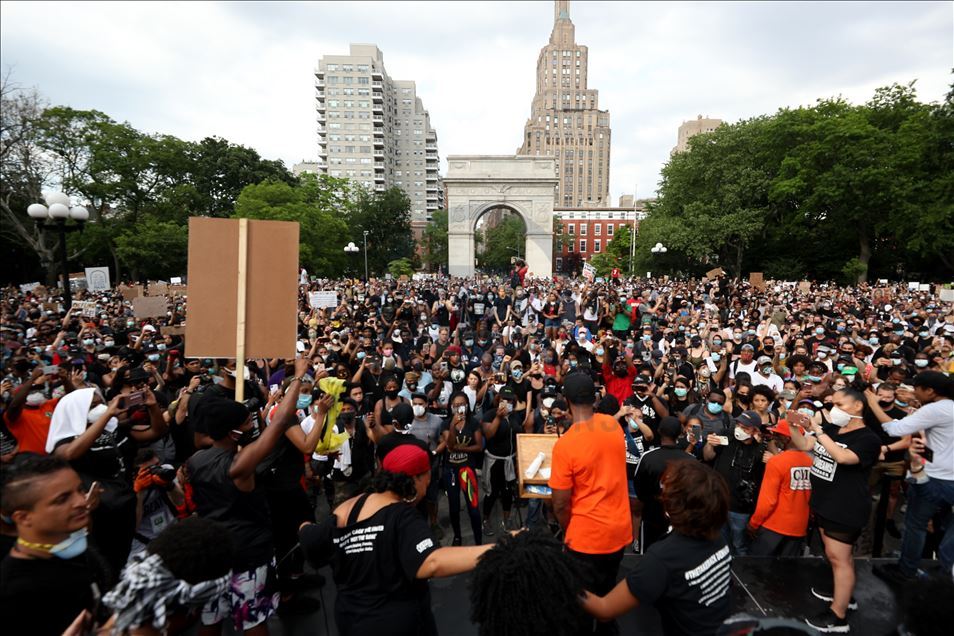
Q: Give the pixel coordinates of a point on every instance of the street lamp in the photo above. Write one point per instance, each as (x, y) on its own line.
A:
(53, 219)
(366, 256)
(351, 248)
(658, 248)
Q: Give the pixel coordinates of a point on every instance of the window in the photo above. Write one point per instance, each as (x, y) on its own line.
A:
(609, 229)
(596, 245)
(570, 229)
(582, 245)
(582, 229)
(597, 230)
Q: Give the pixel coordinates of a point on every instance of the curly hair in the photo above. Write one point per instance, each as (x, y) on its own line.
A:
(696, 499)
(195, 549)
(530, 565)
(398, 483)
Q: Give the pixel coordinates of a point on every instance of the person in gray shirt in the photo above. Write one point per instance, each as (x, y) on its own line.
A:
(427, 427)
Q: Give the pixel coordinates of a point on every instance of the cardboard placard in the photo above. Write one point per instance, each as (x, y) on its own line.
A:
(158, 289)
(51, 307)
(178, 290)
(150, 306)
(805, 287)
(757, 281)
(97, 278)
(271, 290)
(403, 279)
(528, 445)
(713, 273)
(130, 292)
(85, 308)
(178, 330)
(321, 299)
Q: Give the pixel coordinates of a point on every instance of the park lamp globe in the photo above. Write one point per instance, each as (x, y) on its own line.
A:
(59, 211)
(52, 198)
(38, 211)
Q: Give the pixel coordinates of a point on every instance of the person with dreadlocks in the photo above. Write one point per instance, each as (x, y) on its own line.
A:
(382, 551)
(528, 565)
(686, 575)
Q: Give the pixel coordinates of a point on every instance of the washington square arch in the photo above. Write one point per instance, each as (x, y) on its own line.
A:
(478, 183)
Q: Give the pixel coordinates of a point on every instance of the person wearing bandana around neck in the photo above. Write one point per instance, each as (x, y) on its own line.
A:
(51, 577)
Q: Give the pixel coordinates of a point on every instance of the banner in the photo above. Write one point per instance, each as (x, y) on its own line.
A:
(320, 299)
(97, 278)
(86, 308)
(589, 272)
(150, 306)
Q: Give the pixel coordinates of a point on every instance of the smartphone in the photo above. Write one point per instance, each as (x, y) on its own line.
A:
(273, 389)
(723, 440)
(51, 370)
(696, 431)
(133, 399)
(928, 454)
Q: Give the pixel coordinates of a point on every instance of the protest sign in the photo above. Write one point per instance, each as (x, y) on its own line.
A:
(913, 286)
(178, 330)
(713, 273)
(175, 280)
(97, 278)
(243, 284)
(130, 292)
(319, 299)
(158, 288)
(924, 287)
(150, 306)
(947, 295)
(805, 287)
(757, 281)
(178, 290)
(28, 287)
(589, 272)
(86, 308)
(78, 281)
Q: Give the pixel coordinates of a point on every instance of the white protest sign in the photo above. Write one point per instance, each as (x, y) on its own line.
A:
(97, 278)
(319, 299)
(589, 272)
(175, 280)
(87, 308)
(913, 286)
(947, 295)
(28, 287)
(924, 287)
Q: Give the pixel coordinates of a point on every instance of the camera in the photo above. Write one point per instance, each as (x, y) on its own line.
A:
(165, 472)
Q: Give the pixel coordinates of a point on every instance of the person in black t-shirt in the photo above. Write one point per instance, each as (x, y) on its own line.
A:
(463, 439)
(48, 578)
(842, 456)
(500, 428)
(687, 575)
(382, 552)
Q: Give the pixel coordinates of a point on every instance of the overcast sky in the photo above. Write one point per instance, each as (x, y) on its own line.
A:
(244, 71)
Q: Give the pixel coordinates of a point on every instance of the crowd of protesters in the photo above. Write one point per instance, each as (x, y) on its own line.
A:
(697, 420)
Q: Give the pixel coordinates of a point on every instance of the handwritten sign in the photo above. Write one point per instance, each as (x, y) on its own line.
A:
(589, 272)
(757, 281)
(86, 308)
(130, 292)
(150, 306)
(97, 278)
(713, 273)
(320, 299)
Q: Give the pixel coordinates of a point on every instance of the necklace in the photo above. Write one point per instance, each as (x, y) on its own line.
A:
(42, 547)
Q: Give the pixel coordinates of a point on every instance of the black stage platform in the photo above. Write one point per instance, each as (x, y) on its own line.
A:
(762, 587)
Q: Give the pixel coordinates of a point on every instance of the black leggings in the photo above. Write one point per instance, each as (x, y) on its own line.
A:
(499, 487)
(453, 486)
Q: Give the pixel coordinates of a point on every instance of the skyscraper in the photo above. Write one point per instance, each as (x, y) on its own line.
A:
(565, 119)
(692, 128)
(375, 130)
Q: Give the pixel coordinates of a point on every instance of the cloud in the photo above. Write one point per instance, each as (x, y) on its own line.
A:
(244, 70)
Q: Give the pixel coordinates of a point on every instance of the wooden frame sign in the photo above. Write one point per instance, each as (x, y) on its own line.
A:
(243, 290)
(529, 445)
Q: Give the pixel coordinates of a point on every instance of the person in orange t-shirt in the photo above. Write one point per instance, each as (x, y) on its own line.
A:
(780, 520)
(590, 492)
(29, 414)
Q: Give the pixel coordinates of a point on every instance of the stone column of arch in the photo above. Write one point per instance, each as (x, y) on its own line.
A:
(476, 183)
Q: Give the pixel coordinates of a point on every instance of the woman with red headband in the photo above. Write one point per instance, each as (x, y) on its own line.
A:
(382, 552)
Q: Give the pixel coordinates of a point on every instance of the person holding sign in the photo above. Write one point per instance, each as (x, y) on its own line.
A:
(842, 456)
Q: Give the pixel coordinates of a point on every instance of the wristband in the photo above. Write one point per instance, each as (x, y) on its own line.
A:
(300, 378)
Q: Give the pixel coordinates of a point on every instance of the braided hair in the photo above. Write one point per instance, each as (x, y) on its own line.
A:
(530, 565)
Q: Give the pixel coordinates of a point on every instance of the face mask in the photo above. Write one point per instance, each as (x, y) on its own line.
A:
(95, 413)
(153, 357)
(497, 387)
(360, 355)
(599, 351)
(346, 418)
(680, 392)
(391, 393)
(130, 323)
(647, 338)
(573, 364)
(895, 361)
(924, 334)
(840, 418)
(548, 402)
(304, 401)
(886, 404)
(716, 357)
(246, 437)
(161, 346)
(819, 331)
(714, 407)
(901, 404)
(35, 399)
(873, 341)
(920, 363)
(419, 410)
(741, 435)
(88, 342)
(412, 386)
(468, 343)
(766, 370)
(70, 547)
(815, 378)
(462, 409)
(517, 374)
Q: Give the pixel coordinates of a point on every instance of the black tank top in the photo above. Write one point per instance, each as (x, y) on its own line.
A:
(245, 514)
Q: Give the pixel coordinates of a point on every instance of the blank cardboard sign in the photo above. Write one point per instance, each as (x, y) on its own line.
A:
(150, 306)
(271, 289)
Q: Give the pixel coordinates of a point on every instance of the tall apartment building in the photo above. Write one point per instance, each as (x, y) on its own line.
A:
(565, 119)
(692, 128)
(375, 130)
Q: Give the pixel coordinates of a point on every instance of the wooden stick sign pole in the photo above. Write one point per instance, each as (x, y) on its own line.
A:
(240, 310)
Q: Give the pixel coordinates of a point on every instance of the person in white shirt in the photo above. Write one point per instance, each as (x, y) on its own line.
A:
(745, 363)
(765, 375)
(935, 420)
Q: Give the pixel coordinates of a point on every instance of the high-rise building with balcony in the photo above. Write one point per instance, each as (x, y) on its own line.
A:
(565, 119)
(375, 130)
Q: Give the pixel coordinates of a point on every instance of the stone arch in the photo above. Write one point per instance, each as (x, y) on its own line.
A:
(476, 184)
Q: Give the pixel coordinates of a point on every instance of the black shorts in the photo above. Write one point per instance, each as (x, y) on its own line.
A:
(838, 531)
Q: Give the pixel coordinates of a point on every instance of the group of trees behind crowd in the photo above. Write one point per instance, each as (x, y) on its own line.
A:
(832, 191)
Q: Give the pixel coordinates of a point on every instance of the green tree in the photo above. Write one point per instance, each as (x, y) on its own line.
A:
(401, 267)
(136, 248)
(435, 241)
(386, 217)
(503, 242)
(323, 232)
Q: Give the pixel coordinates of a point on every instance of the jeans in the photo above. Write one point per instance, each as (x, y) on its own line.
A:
(734, 533)
(924, 501)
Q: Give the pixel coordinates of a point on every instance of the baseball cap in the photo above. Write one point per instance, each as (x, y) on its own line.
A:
(453, 349)
(749, 419)
(781, 428)
(748, 347)
(400, 416)
(764, 360)
(578, 388)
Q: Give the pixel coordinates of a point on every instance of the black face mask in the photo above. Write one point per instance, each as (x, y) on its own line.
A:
(391, 393)
(247, 437)
(346, 418)
(886, 405)
(620, 372)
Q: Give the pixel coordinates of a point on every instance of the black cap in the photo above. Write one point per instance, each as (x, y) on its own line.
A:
(220, 415)
(549, 390)
(399, 416)
(749, 419)
(506, 393)
(640, 380)
(578, 388)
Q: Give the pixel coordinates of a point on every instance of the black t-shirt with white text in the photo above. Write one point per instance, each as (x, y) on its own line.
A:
(840, 491)
(688, 580)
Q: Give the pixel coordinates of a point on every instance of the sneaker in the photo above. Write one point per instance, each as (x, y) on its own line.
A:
(891, 573)
(456, 541)
(828, 623)
(829, 596)
(487, 529)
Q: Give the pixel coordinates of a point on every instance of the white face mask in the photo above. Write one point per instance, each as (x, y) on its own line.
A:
(548, 402)
(741, 435)
(35, 399)
(462, 409)
(95, 413)
(841, 418)
(419, 410)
